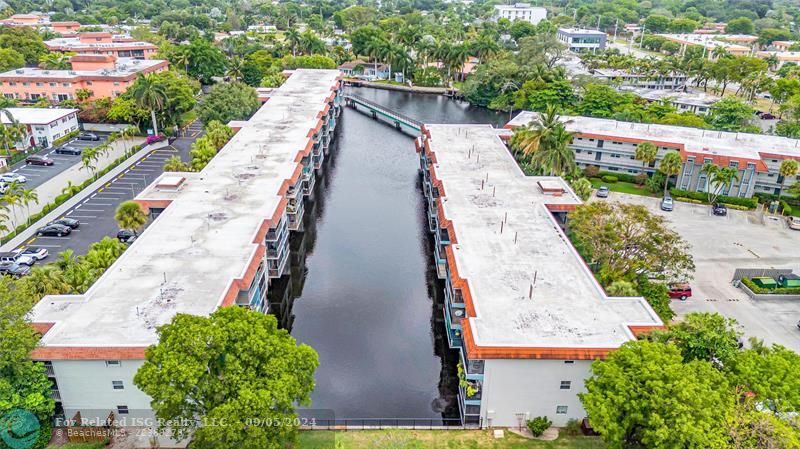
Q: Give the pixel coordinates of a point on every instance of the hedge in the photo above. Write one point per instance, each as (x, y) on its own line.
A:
(610, 179)
(766, 198)
(624, 177)
(786, 208)
(770, 291)
(749, 203)
(68, 136)
(60, 199)
(687, 200)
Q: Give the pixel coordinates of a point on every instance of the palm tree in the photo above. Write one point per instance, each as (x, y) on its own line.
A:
(554, 154)
(149, 95)
(457, 57)
(47, 280)
(12, 197)
(772, 61)
(174, 163)
(11, 132)
(27, 197)
(787, 169)
(292, 37)
(583, 188)
(670, 165)
(130, 215)
(89, 158)
(374, 49)
(646, 152)
(718, 178)
(527, 139)
(235, 66)
(70, 189)
(66, 259)
(126, 134)
(182, 57)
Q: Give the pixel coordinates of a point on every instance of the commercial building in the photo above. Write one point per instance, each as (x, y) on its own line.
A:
(685, 101)
(521, 306)
(611, 145)
(520, 11)
(625, 78)
(102, 43)
(218, 239)
(101, 75)
(43, 125)
(581, 41)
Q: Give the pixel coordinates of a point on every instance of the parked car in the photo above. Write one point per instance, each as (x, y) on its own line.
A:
(667, 204)
(11, 177)
(681, 291)
(66, 149)
(37, 159)
(719, 209)
(17, 258)
(36, 252)
(68, 222)
(54, 229)
(88, 136)
(3, 187)
(126, 236)
(602, 192)
(767, 116)
(794, 223)
(14, 269)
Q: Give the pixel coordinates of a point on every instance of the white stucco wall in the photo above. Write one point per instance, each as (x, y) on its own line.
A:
(54, 130)
(531, 387)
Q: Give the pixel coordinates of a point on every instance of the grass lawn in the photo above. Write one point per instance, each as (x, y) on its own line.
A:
(77, 446)
(435, 439)
(624, 187)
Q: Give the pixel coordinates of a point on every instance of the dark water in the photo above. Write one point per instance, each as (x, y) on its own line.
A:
(362, 289)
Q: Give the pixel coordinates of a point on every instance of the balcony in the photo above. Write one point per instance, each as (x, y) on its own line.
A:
(453, 335)
(292, 191)
(455, 316)
(458, 297)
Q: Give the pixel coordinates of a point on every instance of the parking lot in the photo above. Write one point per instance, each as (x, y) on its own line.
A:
(96, 212)
(37, 175)
(719, 246)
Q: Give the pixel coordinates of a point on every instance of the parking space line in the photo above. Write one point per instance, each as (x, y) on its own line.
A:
(93, 210)
(54, 238)
(83, 216)
(48, 246)
(101, 204)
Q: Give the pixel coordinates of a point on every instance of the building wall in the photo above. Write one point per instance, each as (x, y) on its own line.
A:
(611, 155)
(44, 135)
(532, 15)
(528, 388)
(582, 42)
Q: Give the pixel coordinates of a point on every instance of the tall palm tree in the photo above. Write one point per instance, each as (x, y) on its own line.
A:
(670, 165)
(646, 152)
(457, 57)
(27, 197)
(718, 179)
(374, 49)
(787, 169)
(554, 154)
(47, 280)
(10, 132)
(149, 95)
(235, 66)
(527, 139)
(130, 215)
(182, 57)
(66, 260)
(13, 198)
(292, 37)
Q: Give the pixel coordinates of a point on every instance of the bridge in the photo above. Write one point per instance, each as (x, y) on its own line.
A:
(399, 121)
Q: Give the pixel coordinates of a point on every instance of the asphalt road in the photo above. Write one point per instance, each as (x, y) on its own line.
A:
(37, 175)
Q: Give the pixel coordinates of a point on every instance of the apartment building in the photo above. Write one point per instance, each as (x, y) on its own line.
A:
(43, 125)
(102, 43)
(519, 11)
(101, 75)
(582, 41)
(626, 78)
(611, 145)
(219, 237)
(521, 306)
(735, 44)
(782, 56)
(685, 101)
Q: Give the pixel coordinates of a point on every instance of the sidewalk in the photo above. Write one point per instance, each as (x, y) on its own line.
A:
(58, 183)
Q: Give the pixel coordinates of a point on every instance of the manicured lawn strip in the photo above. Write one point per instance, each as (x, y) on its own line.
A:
(623, 187)
(436, 439)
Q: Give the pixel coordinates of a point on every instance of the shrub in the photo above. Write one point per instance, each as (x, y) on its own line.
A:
(766, 291)
(766, 198)
(624, 177)
(573, 427)
(688, 200)
(786, 208)
(538, 425)
(65, 138)
(591, 171)
(610, 179)
(748, 203)
(641, 178)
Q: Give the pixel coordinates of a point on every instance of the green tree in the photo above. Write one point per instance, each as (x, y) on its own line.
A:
(749, 427)
(787, 169)
(149, 95)
(741, 25)
(229, 101)
(710, 337)
(203, 150)
(622, 288)
(130, 215)
(10, 59)
(218, 134)
(207, 368)
(772, 374)
(656, 23)
(583, 188)
(646, 152)
(55, 61)
(174, 163)
(11, 132)
(24, 40)
(719, 179)
(670, 165)
(645, 396)
(205, 61)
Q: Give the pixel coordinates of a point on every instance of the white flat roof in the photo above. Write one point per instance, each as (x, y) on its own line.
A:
(37, 116)
(679, 96)
(124, 67)
(187, 258)
(581, 31)
(75, 42)
(713, 143)
(567, 308)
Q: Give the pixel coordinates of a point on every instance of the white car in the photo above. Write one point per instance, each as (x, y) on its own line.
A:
(9, 177)
(35, 252)
(794, 223)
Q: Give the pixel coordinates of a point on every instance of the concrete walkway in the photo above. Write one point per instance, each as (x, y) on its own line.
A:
(67, 205)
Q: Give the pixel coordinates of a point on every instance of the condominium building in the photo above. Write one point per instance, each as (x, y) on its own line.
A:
(582, 41)
(611, 145)
(101, 75)
(782, 56)
(734, 44)
(685, 101)
(520, 11)
(43, 125)
(219, 237)
(102, 43)
(521, 306)
(673, 81)
(782, 45)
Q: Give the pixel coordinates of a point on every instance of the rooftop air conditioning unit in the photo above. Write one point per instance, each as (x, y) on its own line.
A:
(20, 71)
(72, 72)
(46, 72)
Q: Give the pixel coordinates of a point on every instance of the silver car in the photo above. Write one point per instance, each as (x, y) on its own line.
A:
(602, 192)
(667, 204)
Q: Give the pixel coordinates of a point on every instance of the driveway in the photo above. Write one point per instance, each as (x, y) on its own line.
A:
(722, 244)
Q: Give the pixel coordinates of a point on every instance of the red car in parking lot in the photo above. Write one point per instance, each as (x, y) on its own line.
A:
(38, 160)
(680, 291)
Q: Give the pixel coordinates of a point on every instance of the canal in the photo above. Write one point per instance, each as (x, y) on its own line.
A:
(362, 290)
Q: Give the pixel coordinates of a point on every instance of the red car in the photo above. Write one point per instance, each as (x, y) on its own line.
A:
(39, 160)
(680, 291)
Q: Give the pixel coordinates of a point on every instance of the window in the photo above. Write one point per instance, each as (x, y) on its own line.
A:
(52, 84)
(12, 83)
(123, 410)
(113, 363)
(560, 410)
(118, 385)
(566, 384)
(40, 84)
